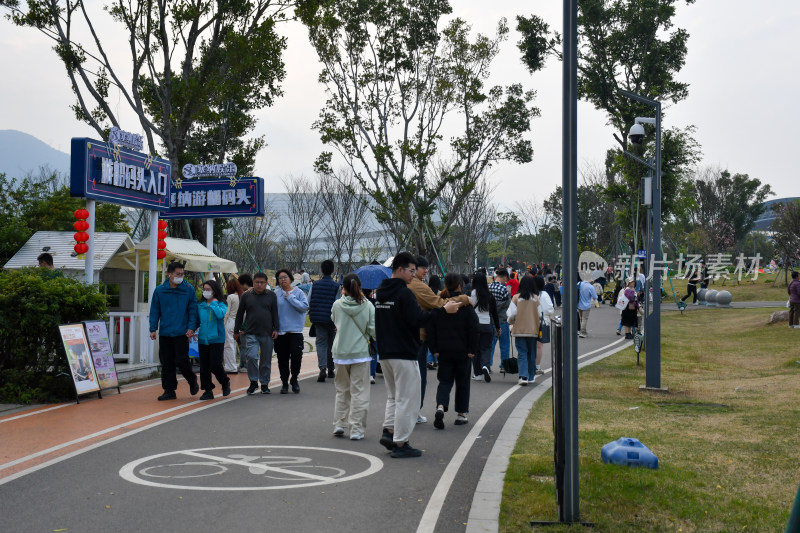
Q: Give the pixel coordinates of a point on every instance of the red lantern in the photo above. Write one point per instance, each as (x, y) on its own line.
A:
(162, 224)
(161, 245)
(161, 254)
(81, 237)
(162, 235)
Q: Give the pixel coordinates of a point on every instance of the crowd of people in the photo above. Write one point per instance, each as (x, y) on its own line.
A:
(409, 325)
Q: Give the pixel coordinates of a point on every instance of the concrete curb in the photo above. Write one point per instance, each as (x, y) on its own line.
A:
(484, 514)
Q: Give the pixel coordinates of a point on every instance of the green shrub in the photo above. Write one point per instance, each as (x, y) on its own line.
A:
(33, 366)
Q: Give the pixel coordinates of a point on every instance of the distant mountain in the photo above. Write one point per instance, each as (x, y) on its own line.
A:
(21, 154)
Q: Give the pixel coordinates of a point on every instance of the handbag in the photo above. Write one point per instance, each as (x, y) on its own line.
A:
(312, 331)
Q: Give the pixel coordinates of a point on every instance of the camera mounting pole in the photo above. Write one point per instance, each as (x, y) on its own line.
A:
(652, 321)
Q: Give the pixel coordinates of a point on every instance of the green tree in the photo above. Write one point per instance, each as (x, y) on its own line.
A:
(736, 201)
(505, 227)
(627, 45)
(39, 203)
(786, 234)
(393, 80)
(199, 70)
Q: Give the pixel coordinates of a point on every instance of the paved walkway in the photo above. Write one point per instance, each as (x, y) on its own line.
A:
(129, 463)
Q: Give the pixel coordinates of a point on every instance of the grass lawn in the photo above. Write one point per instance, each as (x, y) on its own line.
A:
(726, 434)
(760, 291)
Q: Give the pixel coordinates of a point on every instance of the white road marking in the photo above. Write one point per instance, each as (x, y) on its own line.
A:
(36, 412)
(431, 515)
(128, 472)
(258, 466)
(118, 437)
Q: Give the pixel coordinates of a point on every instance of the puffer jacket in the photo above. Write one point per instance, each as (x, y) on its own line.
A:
(212, 322)
(355, 323)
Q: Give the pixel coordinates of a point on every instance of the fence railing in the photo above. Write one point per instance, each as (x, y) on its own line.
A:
(129, 334)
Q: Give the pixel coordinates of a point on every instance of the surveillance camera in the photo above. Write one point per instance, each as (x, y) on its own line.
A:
(636, 135)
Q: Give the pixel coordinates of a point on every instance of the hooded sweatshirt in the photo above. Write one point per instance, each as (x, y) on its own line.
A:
(398, 318)
(355, 323)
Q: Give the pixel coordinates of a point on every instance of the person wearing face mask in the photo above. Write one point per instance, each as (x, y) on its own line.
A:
(211, 340)
(173, 313)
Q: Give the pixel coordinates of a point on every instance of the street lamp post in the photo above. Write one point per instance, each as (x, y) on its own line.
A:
(652, 320)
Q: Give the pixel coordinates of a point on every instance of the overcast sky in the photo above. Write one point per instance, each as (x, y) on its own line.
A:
(743, 68)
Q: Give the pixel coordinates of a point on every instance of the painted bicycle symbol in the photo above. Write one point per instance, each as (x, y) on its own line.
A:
(250, 468)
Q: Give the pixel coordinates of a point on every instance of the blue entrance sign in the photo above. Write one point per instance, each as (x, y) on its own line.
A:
(217, 198)
(117, 175)
(642, 254)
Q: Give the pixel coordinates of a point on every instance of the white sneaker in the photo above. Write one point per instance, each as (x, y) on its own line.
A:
(338, 431)
(478, 377)
(522, 382)
(372, 381)
(421, 419)
(582, 335)
(356, 436)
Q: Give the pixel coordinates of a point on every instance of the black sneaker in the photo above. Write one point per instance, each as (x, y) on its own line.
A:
(401, 452)
(168, 395)
(207, 395)
(331, 374)
(226, 389)
(486, 377)
(194, 388)
(322, 374)
(461, 420)
(295, 386)
(387, 440)
(252, 388)
(264, 389)
(285, 388)
(438, 419)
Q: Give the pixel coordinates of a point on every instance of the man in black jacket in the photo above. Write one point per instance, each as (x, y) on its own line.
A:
(398, 319)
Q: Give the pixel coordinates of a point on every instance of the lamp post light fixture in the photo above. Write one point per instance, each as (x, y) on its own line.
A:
(652, 318)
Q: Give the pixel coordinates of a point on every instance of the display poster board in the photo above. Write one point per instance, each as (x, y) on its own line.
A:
(102, 355)
(79, 358)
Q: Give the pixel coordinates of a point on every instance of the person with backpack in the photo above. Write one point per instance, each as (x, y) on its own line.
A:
(354, 318)
(629, 315)
(454, 341)
(211, 340)
(523, 315)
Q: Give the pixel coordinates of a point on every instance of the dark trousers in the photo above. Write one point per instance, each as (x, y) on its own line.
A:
(794, 314)
(289, 347)
(174, 353)
(481, 358)
(422, 359)
(326, 333)
(212, 362)
(691, 290)
(454, 368)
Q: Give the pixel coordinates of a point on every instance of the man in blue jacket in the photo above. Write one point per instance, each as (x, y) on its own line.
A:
(323, 293)
(173, 312)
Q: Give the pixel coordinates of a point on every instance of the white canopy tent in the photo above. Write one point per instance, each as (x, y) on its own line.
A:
(197, 258)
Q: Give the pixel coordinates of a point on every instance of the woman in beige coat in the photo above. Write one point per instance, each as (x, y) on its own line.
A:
(523, 315)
